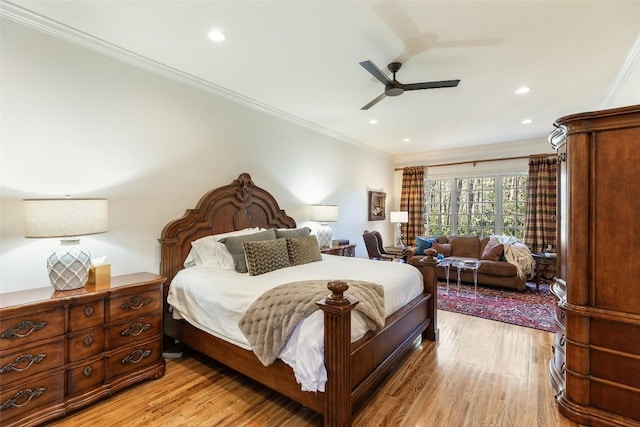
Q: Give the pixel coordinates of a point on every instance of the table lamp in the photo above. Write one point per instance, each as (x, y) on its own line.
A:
(324, 214)
(399, 218)
(67, 219)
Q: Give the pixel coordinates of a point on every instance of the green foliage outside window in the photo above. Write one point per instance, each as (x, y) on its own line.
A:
(476, 206)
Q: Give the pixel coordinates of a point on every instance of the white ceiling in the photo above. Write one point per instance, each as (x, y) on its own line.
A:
(301, 59)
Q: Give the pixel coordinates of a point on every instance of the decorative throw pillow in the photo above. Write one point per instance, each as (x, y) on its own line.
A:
(207, 250)
(235, 246)
(492, 252)
(303, 250)
(423, 243)
(265, 255)
(442, 248)
(292, 232)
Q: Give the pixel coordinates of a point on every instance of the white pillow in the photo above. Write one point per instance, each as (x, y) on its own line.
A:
(210, 252)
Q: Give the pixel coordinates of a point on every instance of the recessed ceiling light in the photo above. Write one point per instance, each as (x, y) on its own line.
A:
(526, 121)
(522, 90)
(406, 140)
(216, 35)
(373, 122)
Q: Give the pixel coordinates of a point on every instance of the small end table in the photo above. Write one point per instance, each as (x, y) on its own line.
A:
(543, 261)
(468, 265)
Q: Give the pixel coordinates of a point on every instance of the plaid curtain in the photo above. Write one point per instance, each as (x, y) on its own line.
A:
(412, 201)
(540, 222)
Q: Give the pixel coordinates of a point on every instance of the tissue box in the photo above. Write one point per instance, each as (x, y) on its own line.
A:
(100, 275)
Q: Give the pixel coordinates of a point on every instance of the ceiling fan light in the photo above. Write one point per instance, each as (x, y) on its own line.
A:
(522, 90)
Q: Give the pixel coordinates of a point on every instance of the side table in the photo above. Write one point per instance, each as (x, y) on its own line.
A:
(340, 250)
(543, 261)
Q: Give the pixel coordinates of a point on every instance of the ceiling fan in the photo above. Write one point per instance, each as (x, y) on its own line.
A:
(394, 87)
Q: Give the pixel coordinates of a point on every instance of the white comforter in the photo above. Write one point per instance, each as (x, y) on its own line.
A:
(214, 300)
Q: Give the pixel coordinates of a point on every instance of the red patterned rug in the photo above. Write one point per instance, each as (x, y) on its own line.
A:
(529, 308)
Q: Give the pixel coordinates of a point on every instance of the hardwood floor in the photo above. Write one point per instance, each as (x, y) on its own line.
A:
(482, 373)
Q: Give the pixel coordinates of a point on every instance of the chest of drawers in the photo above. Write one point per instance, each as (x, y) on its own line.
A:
(60, 351)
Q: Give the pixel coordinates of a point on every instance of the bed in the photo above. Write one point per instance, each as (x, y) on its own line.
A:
(353, 369)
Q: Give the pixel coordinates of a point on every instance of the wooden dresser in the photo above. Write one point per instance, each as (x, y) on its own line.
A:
(596, 362)
(60, 351)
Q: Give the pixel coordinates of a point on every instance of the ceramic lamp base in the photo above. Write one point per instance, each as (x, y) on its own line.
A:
(324, 236)
(69, 265)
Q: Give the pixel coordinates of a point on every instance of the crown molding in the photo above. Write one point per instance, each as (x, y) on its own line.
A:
(630, 65)
(41, 23)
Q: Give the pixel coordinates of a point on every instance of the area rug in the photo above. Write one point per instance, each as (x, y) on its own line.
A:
(529, 308)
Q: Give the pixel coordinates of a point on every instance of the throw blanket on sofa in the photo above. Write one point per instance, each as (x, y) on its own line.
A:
(516, 253)
(270, 320)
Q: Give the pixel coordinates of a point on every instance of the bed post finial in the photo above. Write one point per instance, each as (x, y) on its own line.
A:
(337, 288)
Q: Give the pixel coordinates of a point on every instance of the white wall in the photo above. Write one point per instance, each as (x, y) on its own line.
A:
(78, 122)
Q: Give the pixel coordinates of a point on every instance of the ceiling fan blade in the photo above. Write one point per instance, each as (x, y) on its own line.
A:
(431, 85)
(375, 72)
(374, 102)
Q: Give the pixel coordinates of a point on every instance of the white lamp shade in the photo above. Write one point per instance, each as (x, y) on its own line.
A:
(399, 217)
(324, 213)
(65, 217)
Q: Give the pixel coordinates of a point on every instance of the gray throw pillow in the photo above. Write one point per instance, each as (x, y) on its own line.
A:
(303, 250)
(266, 255)
(236, 249)
(293, 232)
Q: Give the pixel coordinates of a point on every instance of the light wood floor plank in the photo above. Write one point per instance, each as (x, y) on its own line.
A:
(482, 373)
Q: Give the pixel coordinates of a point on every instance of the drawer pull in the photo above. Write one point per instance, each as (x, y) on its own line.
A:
(29, 359)
(136, 303)
(88, 310)
(88, 340)
(21, 395)
(87, 371)
(136, 356)
(135, 329)
(27, 324)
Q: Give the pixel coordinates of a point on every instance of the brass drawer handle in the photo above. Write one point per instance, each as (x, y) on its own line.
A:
(136, 303)
(136, 356)
(88, 310)
(135, 329)
(22, 394)
(87, 371)
(27, 324)
(88, 340)
(29, 359)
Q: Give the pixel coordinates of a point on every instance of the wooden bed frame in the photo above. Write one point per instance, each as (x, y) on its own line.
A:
(353, 369)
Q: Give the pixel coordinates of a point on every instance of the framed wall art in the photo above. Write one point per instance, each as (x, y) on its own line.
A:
(376, 205)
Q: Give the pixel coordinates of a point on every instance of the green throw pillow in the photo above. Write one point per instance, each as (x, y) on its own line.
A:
(303, 250)
(265, 256)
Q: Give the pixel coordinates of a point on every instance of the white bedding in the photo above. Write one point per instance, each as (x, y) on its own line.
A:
(213, 300)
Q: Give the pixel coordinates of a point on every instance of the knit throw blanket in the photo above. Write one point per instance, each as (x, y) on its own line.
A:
(270, 320)
(516, 253)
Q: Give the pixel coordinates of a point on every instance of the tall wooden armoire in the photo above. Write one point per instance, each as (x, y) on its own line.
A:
(596, 356)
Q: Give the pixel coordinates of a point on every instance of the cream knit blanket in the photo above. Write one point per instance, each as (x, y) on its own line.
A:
(270, 320)
(516, 253)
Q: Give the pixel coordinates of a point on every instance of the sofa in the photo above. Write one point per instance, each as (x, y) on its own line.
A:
(494, 270)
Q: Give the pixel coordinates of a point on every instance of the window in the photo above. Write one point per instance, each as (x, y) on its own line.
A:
(476, 206)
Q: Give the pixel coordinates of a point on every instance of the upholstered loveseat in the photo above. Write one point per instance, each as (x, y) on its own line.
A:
(493, 270)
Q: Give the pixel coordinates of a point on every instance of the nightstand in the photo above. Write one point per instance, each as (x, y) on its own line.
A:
(60, 351)
(340, 250)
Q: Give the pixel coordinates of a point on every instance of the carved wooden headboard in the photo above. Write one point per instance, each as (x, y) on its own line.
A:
(238, 205)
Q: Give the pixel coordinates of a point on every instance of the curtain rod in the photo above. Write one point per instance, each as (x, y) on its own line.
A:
(474, 162)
